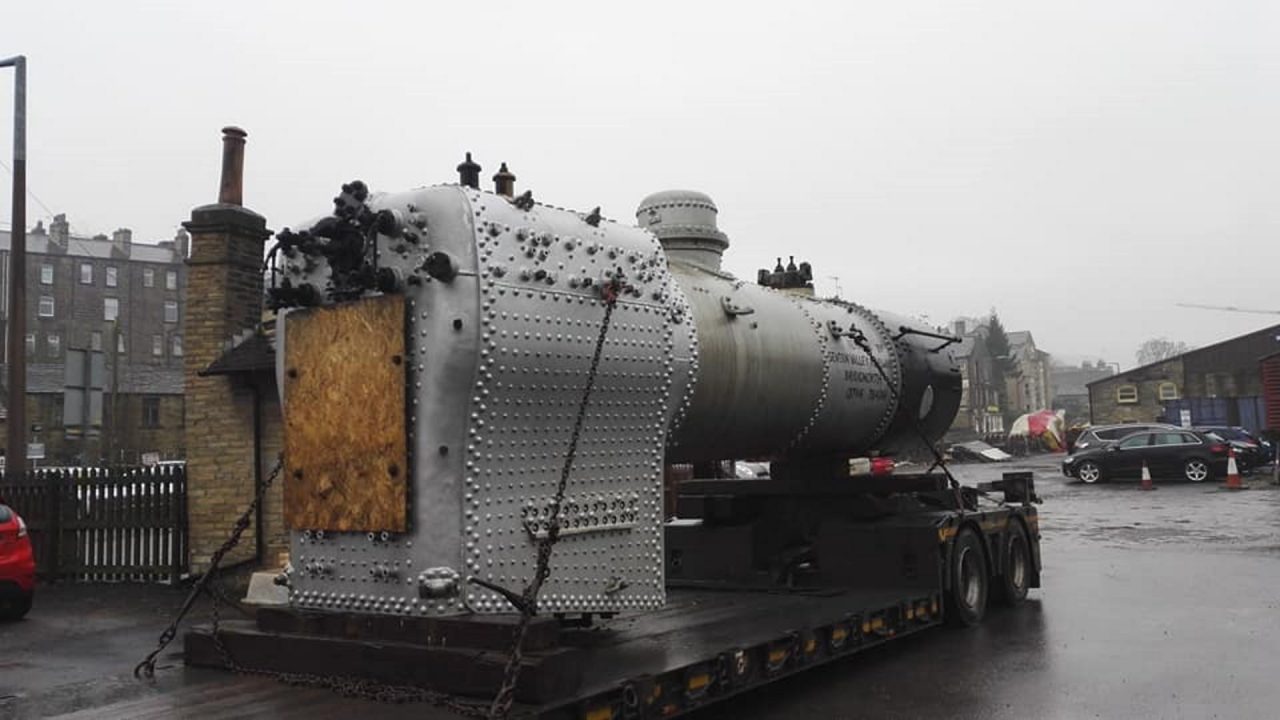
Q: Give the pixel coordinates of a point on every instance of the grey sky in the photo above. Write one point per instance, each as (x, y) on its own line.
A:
(1080, 166)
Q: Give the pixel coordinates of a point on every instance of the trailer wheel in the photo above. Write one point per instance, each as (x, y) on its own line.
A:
(1012, 586)
(967, 597)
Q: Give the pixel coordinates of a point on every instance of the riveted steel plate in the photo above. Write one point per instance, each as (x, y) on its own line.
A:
(542, 314)
(497, 362)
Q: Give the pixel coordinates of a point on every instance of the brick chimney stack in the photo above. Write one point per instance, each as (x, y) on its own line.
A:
(59, 233)
(182, 243)
(121, 243)
(224, 291)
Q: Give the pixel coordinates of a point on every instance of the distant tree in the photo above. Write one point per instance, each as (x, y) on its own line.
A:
(998, 344)
(1003, 365)
(1161, 348)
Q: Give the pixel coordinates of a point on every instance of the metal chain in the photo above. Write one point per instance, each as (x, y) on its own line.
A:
(860, 339)
(345, 686)
(147, 668)
(500, 708)
(528, 607)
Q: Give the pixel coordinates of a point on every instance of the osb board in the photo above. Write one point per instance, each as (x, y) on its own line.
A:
(344, 426)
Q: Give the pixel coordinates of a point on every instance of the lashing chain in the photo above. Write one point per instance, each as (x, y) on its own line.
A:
(526, 602)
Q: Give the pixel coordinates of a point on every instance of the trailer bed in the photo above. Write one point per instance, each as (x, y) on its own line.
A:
(704, 646)
(762, 636)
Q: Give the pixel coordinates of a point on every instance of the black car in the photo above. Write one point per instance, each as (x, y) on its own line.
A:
(1251, 452)
(1196, 456)
(1099, 435)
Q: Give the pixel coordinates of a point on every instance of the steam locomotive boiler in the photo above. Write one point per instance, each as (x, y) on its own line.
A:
(435, 345)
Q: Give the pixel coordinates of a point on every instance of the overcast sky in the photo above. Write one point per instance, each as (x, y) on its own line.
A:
(1080, 166)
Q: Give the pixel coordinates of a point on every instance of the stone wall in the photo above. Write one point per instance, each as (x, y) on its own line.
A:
(1105, 407)
(224, 285)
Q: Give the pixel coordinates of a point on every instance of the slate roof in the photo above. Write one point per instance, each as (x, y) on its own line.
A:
(38, 244)
(133, 379)
(1274, 330)
(257, 353)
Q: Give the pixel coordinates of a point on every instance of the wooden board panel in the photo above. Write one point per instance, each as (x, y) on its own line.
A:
(344, 426)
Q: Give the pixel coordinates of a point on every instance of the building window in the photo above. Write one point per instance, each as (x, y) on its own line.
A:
(170, 311)
(151, 412)
(1168, 391)
(95, 341)
(110, 309)
(177, 346)
(113, 276)
(31, 344)
(171, 280)
(46, 274)
(148, 277)
(157, 345)
(54, 344)
(120, 343)
(1127, 394)
(86, 273)
(46, 306)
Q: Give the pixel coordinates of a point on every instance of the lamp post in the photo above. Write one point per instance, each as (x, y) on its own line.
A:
(16, 446)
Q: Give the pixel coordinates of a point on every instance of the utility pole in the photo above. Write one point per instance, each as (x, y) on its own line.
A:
(109, 427)
(16, 445)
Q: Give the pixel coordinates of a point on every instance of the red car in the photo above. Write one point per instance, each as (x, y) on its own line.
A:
(17, 566)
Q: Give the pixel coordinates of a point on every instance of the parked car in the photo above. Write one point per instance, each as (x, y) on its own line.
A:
(17, 566)
(1196, 456)
(1251, 451)
(1098, 435)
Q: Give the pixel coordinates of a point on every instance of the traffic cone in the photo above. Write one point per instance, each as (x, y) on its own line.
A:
(1233, 472)
(1146, 477)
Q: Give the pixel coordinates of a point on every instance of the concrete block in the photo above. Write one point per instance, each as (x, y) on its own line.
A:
(263, 590)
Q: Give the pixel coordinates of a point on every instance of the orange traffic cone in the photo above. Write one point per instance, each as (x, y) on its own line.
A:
(1233, 472)
(1146, 477)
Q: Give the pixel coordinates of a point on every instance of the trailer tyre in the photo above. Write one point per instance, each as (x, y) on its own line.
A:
(1011, 587)
(970, 580)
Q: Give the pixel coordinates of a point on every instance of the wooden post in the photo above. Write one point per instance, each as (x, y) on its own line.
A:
(55, 483)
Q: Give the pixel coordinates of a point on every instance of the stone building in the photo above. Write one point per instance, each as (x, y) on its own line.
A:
(1069, 391)
(117, 299)
(1028, 389)
(1136, 395)
(1220, 384)
(979, 414)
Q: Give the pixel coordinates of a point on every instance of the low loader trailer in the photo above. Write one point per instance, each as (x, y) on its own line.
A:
(482, 397)
(746, 606)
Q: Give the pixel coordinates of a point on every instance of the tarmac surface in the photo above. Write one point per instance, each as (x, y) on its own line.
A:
(1160, 604)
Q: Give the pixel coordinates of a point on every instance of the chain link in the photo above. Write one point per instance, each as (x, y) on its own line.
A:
(860, 339)
(528, 607)
(500, 708)
(345, 686)
(147, 668)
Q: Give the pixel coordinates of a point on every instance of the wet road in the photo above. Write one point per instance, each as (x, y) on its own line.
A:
(1160, 604)
(1163, 604)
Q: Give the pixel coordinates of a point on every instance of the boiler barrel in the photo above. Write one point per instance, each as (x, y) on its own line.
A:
(780, 374)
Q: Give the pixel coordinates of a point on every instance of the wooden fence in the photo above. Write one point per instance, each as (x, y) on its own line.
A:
(94, 524)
